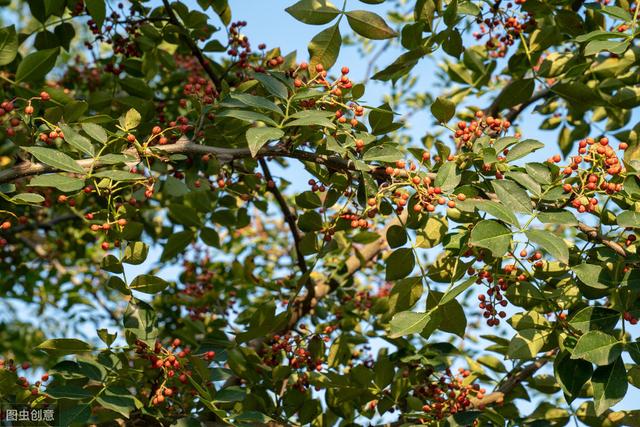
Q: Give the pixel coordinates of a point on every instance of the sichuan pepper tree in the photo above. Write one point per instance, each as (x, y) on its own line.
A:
(440, 280)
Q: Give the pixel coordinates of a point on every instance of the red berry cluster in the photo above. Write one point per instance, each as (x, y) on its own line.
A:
(34, 389)
(9, 117)
(447, 395)
(116, 24)
(171, 363)
(493, 302)
(318, 78)
(503, 28)
(426, 195)
(239, 47)
(630, 318)
(201, 89)
(601, 175)
(295, 350)
(467, 132)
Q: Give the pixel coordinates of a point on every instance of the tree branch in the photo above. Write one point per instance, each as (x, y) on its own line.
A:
(185, 146)
(302, 305)
(593, 234)
(510, 383)
(44, 225)
(225, 155)
(288, 215)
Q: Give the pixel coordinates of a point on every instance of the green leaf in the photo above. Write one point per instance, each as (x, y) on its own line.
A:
(313, 12)
(504, 142)
(27, 198)
(381, 120)
(148, 284)
(559, 217)
(382, 153)
(184, 214)
(595, 318)
(527, 181)
(135, 253)
(553, 244)
(447, 177)
(491, 235)
(247, 116)
(407, 322)
(137, 87)
(122, 402)
(512, 195)
(308, 200)
(130, 120)
(404, 294)
(396, 236)
(175, 187)
(73, 111)
(274, 86)
(117, 284)
(447, 317)
(616, 12)
(451, 294)
(434, 231)
(55, 159)
(523, 148)
(312, 118)
(528, 320)
(256, 102)
(64, 183)
(73, 413)
(609, 385)
(98, 10)
(69, 392)
(369, 25)
(210, 237)
(118, 175)
(139, 321)
(96, 132)
(63, 346)
(401, 66)
(492, 363)
(105, 336)
(628, 219)
(443, 109)
(257, 137)
(112, 264)
(594, 47)
(310, 221)
(516, 92)
(571, 374)
(324, 47)
(77, 141)
(591, 275)
(528, 343)
(399, 264)
(598, 348)
(497, 210)
(450, 14)
(36, 65)
(176, 244)
(8, 45)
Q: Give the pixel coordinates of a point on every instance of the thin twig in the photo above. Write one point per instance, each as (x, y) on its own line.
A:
(192, 45)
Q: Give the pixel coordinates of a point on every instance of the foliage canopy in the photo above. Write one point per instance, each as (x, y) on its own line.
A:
(436, 280)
